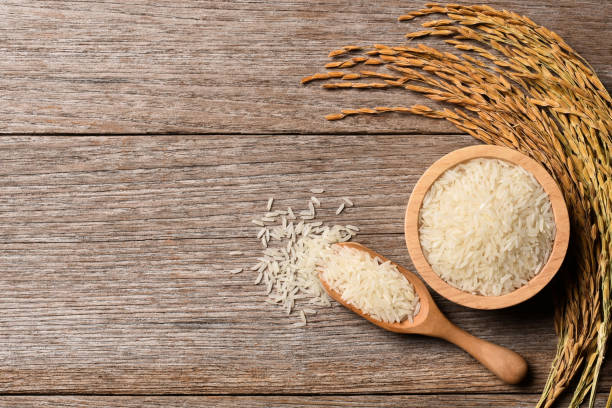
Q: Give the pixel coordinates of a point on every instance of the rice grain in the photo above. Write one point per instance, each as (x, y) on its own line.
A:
(261, 232)
(340, 209)
(348, 201)
(288, 266)
(290, 214)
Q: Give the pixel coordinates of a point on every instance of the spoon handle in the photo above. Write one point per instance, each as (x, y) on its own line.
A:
(506, 364)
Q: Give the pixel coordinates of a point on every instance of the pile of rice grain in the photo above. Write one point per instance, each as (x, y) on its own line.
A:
(376, 288)
(486, 226)
(293, 243)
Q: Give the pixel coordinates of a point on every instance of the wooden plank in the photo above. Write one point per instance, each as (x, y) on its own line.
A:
(115, 254)
(130, 188)
(150, 317)
(366, 401)
(212, 66)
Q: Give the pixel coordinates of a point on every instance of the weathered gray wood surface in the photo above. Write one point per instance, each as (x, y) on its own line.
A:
(336, 401)
(115, 251)
(115, 260)
(221, 66)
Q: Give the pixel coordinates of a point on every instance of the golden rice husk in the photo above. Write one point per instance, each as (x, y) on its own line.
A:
(528, 90)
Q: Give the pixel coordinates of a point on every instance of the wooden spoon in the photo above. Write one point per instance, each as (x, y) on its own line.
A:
(504, 363)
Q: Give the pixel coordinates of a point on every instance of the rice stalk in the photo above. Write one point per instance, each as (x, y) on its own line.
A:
(517, 84)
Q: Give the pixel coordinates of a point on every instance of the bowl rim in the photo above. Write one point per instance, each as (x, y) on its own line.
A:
(560, 214)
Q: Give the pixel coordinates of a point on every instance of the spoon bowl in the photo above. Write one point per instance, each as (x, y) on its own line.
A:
(420, 320)
(506, 364)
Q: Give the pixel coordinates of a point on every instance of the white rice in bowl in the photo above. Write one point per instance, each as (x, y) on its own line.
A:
(486, 226)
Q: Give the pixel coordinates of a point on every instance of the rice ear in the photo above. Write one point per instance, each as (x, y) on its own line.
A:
(544, 100)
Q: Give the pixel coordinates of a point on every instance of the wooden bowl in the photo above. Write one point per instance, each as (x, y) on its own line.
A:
(560, 243)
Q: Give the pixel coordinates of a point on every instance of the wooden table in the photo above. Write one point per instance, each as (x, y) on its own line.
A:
(138, 141)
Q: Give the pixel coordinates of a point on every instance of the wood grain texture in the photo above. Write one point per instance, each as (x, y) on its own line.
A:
(221, 66)
(364, 401)
(115, 254)
(115, 251)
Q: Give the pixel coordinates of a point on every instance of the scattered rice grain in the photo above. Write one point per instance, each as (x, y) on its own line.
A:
(339, 210)
(311, 208)
(288, 268)
(348, 201)
(261, 232)
(259, 278)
